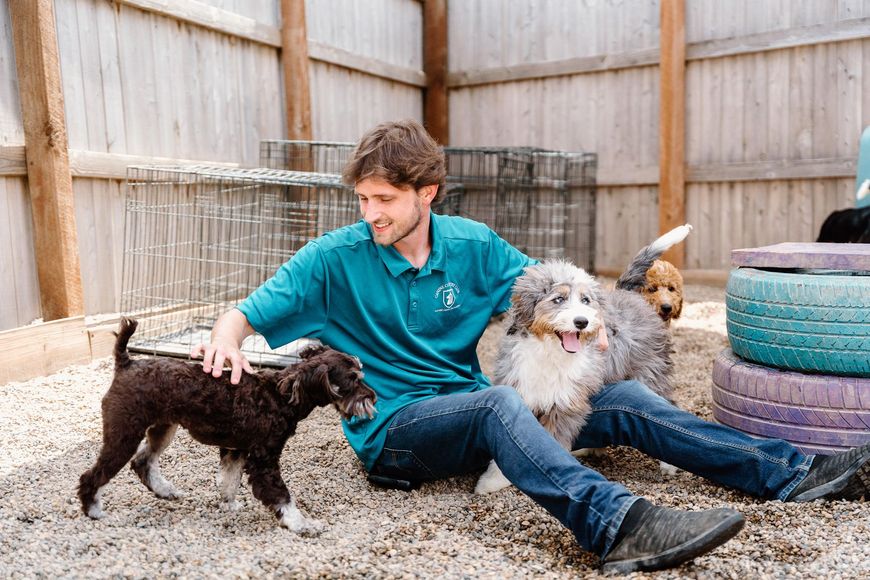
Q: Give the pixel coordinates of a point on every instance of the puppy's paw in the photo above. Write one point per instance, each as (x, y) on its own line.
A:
(312, 527)
(491, 481)
(293, 519)
(589, 452)
(95, 512)
(230, 506)
(165, 490)
(668, 469)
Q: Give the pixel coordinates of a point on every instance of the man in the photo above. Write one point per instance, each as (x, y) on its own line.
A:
(410, 293)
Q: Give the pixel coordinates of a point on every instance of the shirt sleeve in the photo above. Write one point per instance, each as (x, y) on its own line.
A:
(504, 264)
(293, 303)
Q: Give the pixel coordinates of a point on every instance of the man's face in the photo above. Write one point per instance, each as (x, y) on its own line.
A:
(393, 213)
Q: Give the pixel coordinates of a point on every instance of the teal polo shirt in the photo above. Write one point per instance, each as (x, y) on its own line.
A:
(415, 330)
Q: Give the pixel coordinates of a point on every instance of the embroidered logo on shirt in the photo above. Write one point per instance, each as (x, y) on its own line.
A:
(449, 295)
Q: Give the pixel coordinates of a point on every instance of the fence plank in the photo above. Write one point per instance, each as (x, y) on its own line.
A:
(672, 123)
(211, 17)
(365, 64)
(49, 180)
(23, 350)
(435, 105)
(294, 61)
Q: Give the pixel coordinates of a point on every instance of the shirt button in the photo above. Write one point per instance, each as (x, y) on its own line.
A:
(414, 304)
(414, 283)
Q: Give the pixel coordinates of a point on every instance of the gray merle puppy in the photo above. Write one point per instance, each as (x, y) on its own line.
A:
(554, 355)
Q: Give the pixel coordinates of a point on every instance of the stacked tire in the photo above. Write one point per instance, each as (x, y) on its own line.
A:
(798, 318)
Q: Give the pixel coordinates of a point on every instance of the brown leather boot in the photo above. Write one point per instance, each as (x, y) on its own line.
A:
(664, 538)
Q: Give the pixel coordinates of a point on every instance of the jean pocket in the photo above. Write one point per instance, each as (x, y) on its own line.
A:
(401, 463)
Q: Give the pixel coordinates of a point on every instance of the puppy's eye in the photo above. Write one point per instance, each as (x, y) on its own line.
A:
(670, 288)
(651, 289)
(585, 300)
(558, 299)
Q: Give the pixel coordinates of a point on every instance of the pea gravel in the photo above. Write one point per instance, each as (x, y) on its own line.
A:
(50, 432)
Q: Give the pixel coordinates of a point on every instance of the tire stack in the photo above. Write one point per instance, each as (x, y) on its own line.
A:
(798, 318)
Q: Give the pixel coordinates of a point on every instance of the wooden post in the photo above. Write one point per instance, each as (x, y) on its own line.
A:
(672, 123)
(46, 150)
(435, 104)
(294, 61)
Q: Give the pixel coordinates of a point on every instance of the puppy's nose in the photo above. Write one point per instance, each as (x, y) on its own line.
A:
(580, 322)
(666, 308)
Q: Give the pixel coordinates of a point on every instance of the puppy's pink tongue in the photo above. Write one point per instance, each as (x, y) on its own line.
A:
(570, 341)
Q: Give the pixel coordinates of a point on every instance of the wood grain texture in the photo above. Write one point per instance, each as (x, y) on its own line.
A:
(48, 174)
(294, 63)
(23, 350)
(436, 103)
(672, 123)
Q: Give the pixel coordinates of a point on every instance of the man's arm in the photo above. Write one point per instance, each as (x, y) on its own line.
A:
(226, 339)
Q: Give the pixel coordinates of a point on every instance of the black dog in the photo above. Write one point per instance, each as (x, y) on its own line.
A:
(847, 226)
(250, 421)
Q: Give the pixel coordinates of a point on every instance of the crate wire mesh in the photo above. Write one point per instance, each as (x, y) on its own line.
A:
(199, 239)
(541, 201)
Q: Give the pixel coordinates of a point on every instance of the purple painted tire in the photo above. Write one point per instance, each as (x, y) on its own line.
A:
(819, 414)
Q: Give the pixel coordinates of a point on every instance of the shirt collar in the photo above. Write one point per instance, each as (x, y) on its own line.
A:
(397, 264)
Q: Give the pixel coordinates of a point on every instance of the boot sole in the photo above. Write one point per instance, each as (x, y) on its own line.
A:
(712, 538)
(842, 487)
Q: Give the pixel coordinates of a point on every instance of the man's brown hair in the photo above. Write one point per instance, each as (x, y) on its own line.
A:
(401, 153)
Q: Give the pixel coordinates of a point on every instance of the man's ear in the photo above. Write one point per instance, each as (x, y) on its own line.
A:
(428, 193)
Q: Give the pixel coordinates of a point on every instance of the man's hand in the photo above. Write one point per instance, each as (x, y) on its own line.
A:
(216, 355)
(226, 340)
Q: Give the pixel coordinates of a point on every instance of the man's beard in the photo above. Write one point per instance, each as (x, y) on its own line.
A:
(400, 234)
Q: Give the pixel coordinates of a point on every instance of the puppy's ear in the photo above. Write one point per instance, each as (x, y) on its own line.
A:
(678, 305)
(321, 378)
(528, 291)
(305, 382)
(288, 386)
(677, 282)
(597, 292)
(312, 350)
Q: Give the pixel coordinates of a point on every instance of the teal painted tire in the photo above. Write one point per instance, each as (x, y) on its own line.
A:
(811, 323)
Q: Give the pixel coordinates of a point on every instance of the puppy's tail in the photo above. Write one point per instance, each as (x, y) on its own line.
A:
(128, 327)
(634, 276)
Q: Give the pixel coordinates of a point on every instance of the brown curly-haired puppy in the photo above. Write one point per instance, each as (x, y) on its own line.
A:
(250, 421)
(664, 290)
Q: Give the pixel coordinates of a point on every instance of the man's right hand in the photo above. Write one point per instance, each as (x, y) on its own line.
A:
(226, 340)
(216, 355)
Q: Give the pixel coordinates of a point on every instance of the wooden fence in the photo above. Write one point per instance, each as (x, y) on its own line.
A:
(180, 81)
(775, 95)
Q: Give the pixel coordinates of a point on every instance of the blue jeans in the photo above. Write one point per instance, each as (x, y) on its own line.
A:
(459, 433)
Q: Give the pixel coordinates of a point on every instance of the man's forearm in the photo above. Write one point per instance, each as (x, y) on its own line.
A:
(231, 328)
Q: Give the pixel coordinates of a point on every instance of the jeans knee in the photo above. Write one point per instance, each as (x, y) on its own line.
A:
(504, 399)
(631, 393)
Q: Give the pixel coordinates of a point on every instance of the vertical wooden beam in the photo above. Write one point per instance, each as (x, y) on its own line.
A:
(672, 123)
(46, 150)
(435, 103)
(294, 61)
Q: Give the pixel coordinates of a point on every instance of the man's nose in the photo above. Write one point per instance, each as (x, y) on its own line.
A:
(371, 208)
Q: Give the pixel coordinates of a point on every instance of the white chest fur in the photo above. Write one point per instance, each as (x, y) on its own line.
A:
(545, 375)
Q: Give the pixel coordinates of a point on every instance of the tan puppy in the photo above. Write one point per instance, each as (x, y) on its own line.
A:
(664, 290)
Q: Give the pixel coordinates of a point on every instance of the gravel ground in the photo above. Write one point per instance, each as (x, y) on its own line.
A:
(50, 429)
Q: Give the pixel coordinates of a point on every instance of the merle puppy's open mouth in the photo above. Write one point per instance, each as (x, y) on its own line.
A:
(570, 341)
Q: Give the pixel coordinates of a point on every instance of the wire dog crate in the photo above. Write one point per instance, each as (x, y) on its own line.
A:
(541, 201)
(199, 239)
